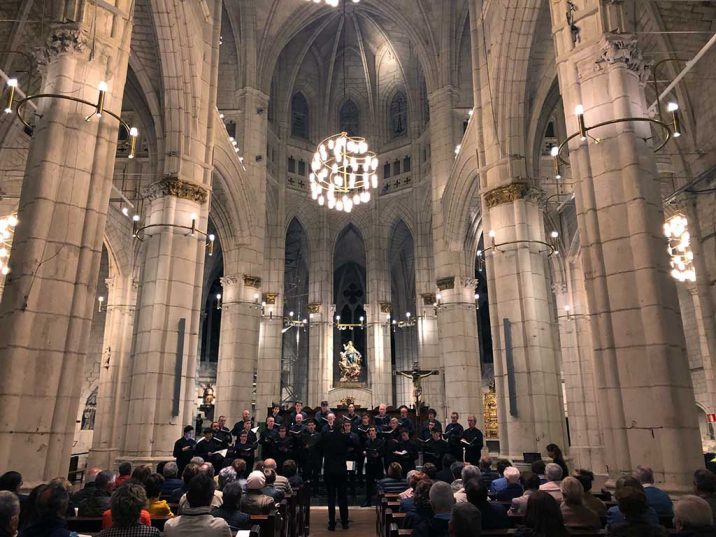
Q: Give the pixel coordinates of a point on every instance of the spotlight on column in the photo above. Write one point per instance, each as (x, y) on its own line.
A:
(133, 133)
(555, 155)
(676, 121)
(102, 87)
(100, 303)
(125, 211)
(218, 301)
(579, 111)
(5, 270)
(11, 85)
(135, 225)
(554, 234)
(193, 223)
(568, 310)
(210, 246)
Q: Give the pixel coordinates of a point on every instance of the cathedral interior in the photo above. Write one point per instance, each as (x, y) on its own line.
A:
(231, 203)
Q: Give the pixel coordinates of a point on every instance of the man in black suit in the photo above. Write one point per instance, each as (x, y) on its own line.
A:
(184, 448)
(335, 452)
(473, 441)
(381, 419)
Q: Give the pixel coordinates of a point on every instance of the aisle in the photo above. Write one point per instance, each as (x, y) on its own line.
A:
(362, 521)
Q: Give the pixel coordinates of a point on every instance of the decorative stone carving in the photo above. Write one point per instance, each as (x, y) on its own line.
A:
(252, 281)
(228, 281)
(624, 49)
(171, 185)
(428, 299)
(446, 283)
(469, 282)
(269, 298)
(385, 307)
(63, 39)
(509, 193)
(314, 307)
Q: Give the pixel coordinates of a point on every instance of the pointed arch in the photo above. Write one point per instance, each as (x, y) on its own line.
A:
(349, 118)
(398, 119)
(299, 116)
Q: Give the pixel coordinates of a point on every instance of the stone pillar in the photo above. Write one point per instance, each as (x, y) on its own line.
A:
(112, 396)
(49, 296)
(268, 370)
(644, 391)
(457, 327)
(238, 345)
(162, 380)
(379, 371)
(527, 378)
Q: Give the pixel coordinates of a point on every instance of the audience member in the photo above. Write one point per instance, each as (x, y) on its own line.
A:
(553, 472)
(171, 478)
(501, 482)
(555, 453)
(290, 472)
(586, 478)
(141, 473)
(513, 488)
(693, 517)
(226, 476)
(657, 499)
(422, 510)
(156, 507)
(239, 466)
(469, 472)
(430, 470)
(456, 471)
(125, 471)
(98, 501)
(196, 519)
(270, 486)
(190, 470)
(9, 513)
(538, 467)
(127, 504)
(230, 509)
(442, 502)
(255, 502)
(543, 517)
(208, 469)
(466, 521)
(395, 481)
(705, 487)
(88, 489)
(531, 484)
(634, 515)
(281, 484)
(50, 510)
(445, 474)
(614, 514)
(494, 515)
(12, 482)
(487, 474)
(405, 497)
(576, 515)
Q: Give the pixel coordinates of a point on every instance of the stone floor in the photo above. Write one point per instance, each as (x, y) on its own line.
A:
(362, 522)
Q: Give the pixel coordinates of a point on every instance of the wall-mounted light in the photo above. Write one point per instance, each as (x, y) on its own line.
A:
(676, 230)
(675, 120)
(11, 85)
(218, 301)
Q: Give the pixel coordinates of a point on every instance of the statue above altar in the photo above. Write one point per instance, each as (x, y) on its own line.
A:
(350, 363)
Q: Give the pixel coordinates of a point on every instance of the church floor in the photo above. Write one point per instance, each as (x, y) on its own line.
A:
(362, 522)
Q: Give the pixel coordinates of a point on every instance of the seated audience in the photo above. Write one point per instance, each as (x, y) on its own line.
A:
(487, 474)
(445, 474)
(430, 470)
(406, 497)
(466, 521)
(290, 472)
(553, 472)
(28, 510)
(9, 513)
(586, 478)
(98, 501)
(513, 488)
(614, 514)
(190, 470)
(141, 473)
(208, 469)
(255, 502)
(494, 515)
(705, 487)
(230, 510)
(469, 472)
(575, 514)
(226, 476)
(394, 482)
(155, 506)
(50, 510)
(543, 517)
(281, 484)
(442, 502)
(693, 517)
(531, 484)
(501, 482)
(125, 470)
(171, 478)
(634, 515)
(196, 519)
(270, 486)
(657, 499)
(239, 466)
(12, 482)
(126, 507)
(456, 470)
(538, 467)
(88, 489)
(422, 510)
(555, 453)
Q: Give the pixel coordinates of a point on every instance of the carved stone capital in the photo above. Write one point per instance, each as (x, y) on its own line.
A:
(64, 38)
(509, 193)
(314, 307)
(559, 288)
(385, 307)
(269, 298)
(228, 281)
(615, 49)
(252, 281)
(445, 283)
(428, 299)
(171, 185)
(469, 282)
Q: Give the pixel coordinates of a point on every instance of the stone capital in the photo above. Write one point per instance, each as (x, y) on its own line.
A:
(469, 282)
(171, 185)
(623, 49)
(385, 307)
(445, 283)
(510, 193)
(63, 38)
(228, 281)
(428, 299)
(314, 307)
(269, 298)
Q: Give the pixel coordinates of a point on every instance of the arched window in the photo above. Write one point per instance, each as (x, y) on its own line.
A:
(88, 415)
(299, 116)
(349, 118)
(398, 115)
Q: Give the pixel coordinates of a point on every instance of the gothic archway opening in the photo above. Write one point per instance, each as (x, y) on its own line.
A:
(211, 312)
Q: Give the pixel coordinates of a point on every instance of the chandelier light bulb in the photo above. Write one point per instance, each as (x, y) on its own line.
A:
(3, 253)
(554, 151)
(492, 233)
(12, 220)
(672, 107)
(579, 110)
(5, 270)
(12, 82)
(102, 86)
(554, 234)
(135, 218)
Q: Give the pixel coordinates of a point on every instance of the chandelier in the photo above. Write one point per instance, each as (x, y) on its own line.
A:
(7, 230)
(681, 256)
(343, 172)
(332, 3)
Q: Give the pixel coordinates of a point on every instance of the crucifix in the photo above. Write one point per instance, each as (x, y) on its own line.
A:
(416, 375)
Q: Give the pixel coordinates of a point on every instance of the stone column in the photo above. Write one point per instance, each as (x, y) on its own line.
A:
(49, 295)
(238, 345)
(644, 391)
(162, 380)
(457, 327)
(268, 370)
(112, 396)
(378, 340)
(527, 377)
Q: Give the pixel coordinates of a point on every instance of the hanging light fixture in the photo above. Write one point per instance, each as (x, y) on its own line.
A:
(332, 3)
(676, 230)
(7, 231)
(343, 169)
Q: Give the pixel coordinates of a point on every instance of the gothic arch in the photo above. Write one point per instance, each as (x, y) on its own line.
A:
(398, 115)
(300, 116)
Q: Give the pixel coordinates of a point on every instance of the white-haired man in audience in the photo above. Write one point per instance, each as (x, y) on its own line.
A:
(657, 499)
(442, 502)
(9, 513)
(469, 471)
(553, 473)
(281, 482)
(693, 517)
